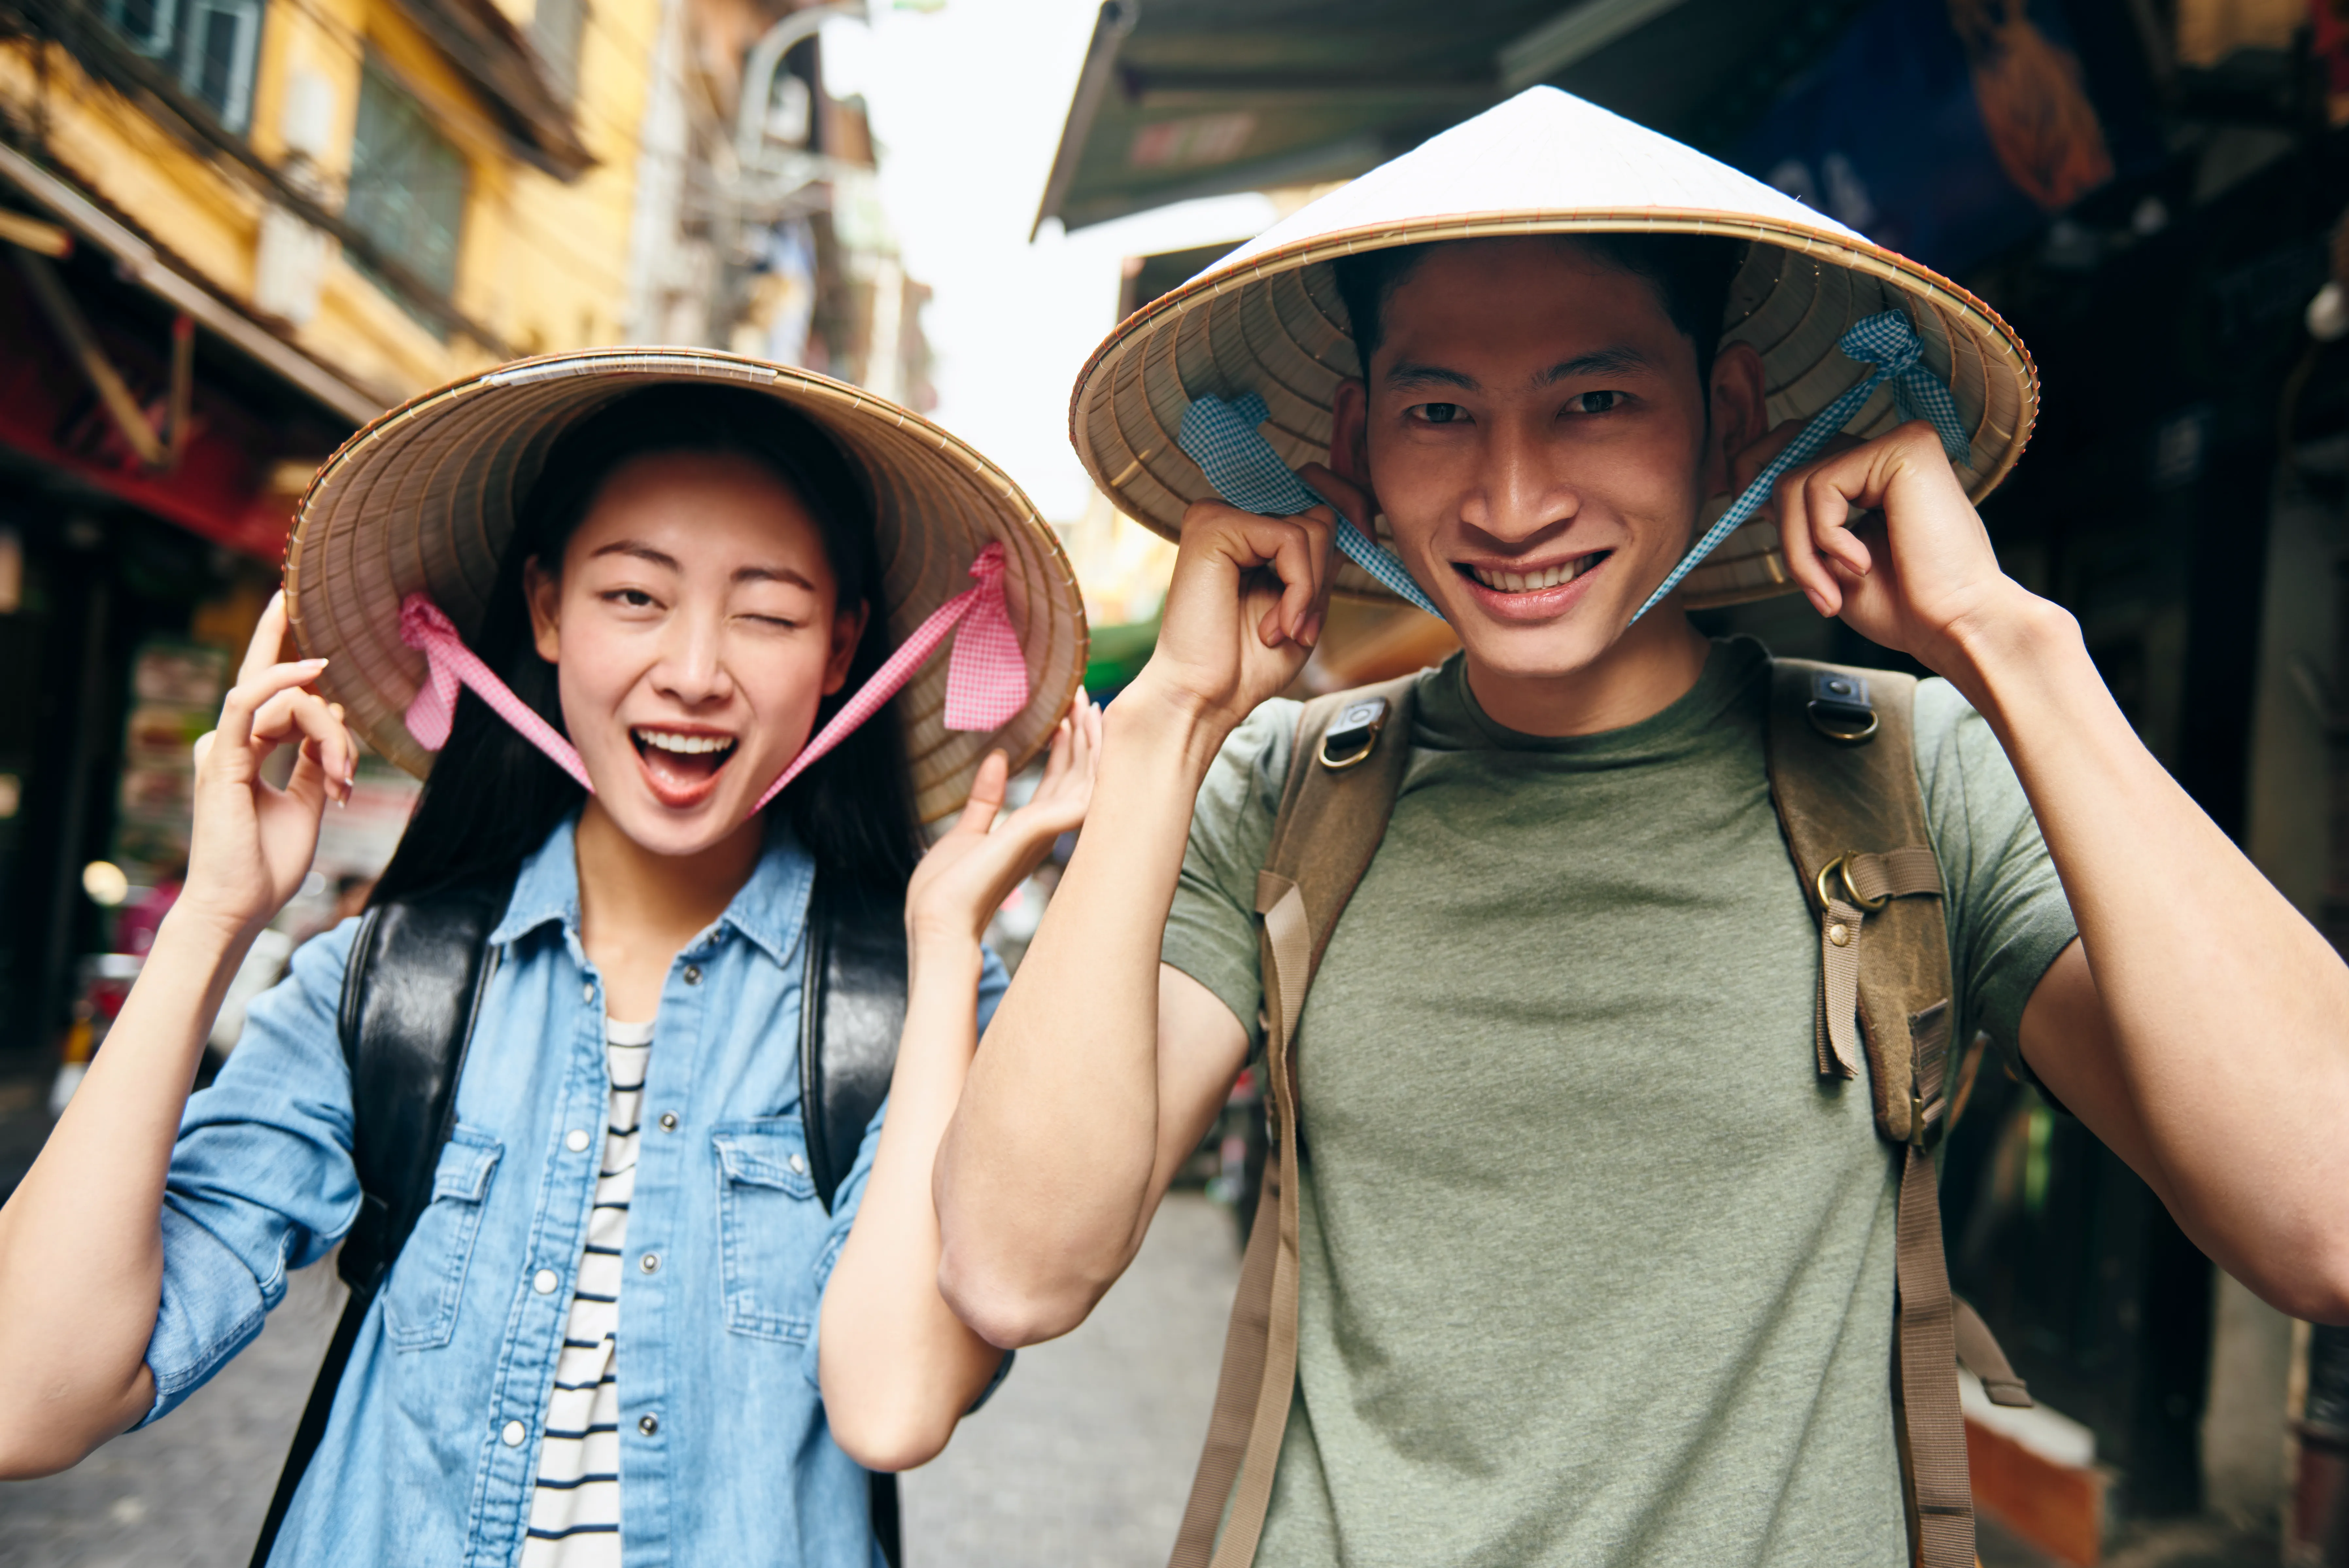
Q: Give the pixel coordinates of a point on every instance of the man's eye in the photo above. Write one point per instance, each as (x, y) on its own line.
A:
(1594, 402)
(1441, 413)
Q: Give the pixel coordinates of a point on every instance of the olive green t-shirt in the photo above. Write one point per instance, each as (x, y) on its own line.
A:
(1596, 1270)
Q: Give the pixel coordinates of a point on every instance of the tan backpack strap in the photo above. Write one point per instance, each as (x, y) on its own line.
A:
(1344, 774)
(1979, 1353)
(1843, 776)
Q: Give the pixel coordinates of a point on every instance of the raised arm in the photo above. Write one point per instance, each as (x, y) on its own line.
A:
(899, 1369)
(2199, 1026)
(1103, 1068)
(81, 1253)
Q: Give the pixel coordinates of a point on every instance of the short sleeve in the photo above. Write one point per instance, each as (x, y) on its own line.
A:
(1211, 929)
(2007, 913)
(261, 1179)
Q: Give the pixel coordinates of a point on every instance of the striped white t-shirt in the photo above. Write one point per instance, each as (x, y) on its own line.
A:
(574, 1514)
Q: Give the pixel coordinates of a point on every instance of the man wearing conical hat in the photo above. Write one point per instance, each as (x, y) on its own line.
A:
(1591, 1248)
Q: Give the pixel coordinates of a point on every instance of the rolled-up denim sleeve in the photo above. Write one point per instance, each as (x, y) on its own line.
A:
(261, 1180)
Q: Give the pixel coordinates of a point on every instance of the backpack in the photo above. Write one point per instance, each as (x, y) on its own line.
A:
(1854, 819)
(420, 968)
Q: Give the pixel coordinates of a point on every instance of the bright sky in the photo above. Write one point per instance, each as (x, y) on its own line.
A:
(967, 104)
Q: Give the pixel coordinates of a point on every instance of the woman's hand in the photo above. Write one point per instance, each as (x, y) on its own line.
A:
(252, 843)
(967, 874)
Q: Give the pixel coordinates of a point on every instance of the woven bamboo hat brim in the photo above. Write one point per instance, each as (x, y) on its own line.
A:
(423, 500)
(1267, 318)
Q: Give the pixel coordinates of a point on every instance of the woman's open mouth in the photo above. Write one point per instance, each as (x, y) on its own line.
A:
(682, 766)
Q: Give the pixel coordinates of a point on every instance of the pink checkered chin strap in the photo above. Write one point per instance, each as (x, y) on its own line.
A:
(987, 676)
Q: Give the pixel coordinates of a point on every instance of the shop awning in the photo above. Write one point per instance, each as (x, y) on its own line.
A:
(1181, 99)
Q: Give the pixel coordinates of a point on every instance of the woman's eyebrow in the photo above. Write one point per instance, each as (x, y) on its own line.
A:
(1615, 361)
(771, 575)
(642, 552)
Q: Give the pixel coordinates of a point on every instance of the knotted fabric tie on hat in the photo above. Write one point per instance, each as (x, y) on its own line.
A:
(1222, 439)
(1884, 341)
(987, 676)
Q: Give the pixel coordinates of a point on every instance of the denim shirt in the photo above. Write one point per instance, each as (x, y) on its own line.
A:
(432, 1448)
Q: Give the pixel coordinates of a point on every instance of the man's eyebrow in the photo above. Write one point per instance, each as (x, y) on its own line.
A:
(1408, 373)
(771, 575)
(1615, 361)
(641, 551)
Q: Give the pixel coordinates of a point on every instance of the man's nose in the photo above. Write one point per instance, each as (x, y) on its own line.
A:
(1520, 491)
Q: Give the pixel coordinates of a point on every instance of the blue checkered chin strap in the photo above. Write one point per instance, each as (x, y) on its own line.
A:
(1884, 341)
(1222, 437)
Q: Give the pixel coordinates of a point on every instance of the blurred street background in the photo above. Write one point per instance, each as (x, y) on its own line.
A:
(232, 231)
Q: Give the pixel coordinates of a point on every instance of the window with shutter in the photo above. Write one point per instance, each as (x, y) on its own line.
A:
(408, 182)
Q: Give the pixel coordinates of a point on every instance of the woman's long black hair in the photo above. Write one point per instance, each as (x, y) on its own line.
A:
(493, 797)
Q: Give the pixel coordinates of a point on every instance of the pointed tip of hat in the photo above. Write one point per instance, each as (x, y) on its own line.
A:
(1542, 152)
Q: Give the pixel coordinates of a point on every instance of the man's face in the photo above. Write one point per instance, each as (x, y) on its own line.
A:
(1532, 428)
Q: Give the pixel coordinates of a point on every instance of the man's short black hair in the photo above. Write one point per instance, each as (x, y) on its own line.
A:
(1689, 273)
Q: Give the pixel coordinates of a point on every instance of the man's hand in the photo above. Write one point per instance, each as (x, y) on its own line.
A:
(1245, 605)
(1915, 570)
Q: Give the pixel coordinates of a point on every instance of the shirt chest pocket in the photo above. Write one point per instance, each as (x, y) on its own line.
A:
(428, 1282)
(771, 1228)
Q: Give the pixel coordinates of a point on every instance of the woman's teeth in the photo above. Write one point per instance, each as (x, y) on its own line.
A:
(684, 745)
(1547, 578)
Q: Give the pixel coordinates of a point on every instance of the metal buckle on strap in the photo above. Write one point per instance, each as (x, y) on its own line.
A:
(1354, 733)
(1839, 708)
(1840, 868)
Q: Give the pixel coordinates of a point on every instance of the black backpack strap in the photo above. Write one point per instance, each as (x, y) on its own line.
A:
(411, 995)
(852, 1010)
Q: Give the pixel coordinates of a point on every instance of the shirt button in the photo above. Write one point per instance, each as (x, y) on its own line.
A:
(587, 992)
(668, 1121)
(693, 974)
(649, 1262)
(649, 1425)
(514, 1434)
(799, 1166)
(544, 1281)
(575, 1140)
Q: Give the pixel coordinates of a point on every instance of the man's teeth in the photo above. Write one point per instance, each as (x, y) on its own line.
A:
(688, 746)
(1527, 582)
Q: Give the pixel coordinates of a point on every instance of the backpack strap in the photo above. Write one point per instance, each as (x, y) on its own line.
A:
(852, 1010)
(1344, 772)
(1843, 776)
(411, 993)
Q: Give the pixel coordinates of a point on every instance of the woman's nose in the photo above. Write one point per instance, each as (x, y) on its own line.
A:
(693, 667)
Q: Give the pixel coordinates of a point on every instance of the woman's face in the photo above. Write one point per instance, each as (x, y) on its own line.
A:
(694, 627)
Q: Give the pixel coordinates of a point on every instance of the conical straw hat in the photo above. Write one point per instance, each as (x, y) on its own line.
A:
(423, 500)
(1267, 318)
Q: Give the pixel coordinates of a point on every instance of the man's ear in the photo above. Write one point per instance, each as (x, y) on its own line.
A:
(543, 590)
(847, 631)
(1738, 412)
(1349, 440)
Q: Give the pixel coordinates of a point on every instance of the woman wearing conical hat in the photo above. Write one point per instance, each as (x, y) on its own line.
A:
(700, 644)
(1604, 1133)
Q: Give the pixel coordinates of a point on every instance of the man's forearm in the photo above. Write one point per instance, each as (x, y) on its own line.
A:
(2227, 1014)
(1044, 1179)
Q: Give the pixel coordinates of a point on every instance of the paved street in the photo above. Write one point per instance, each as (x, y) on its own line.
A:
(1081, 1462)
